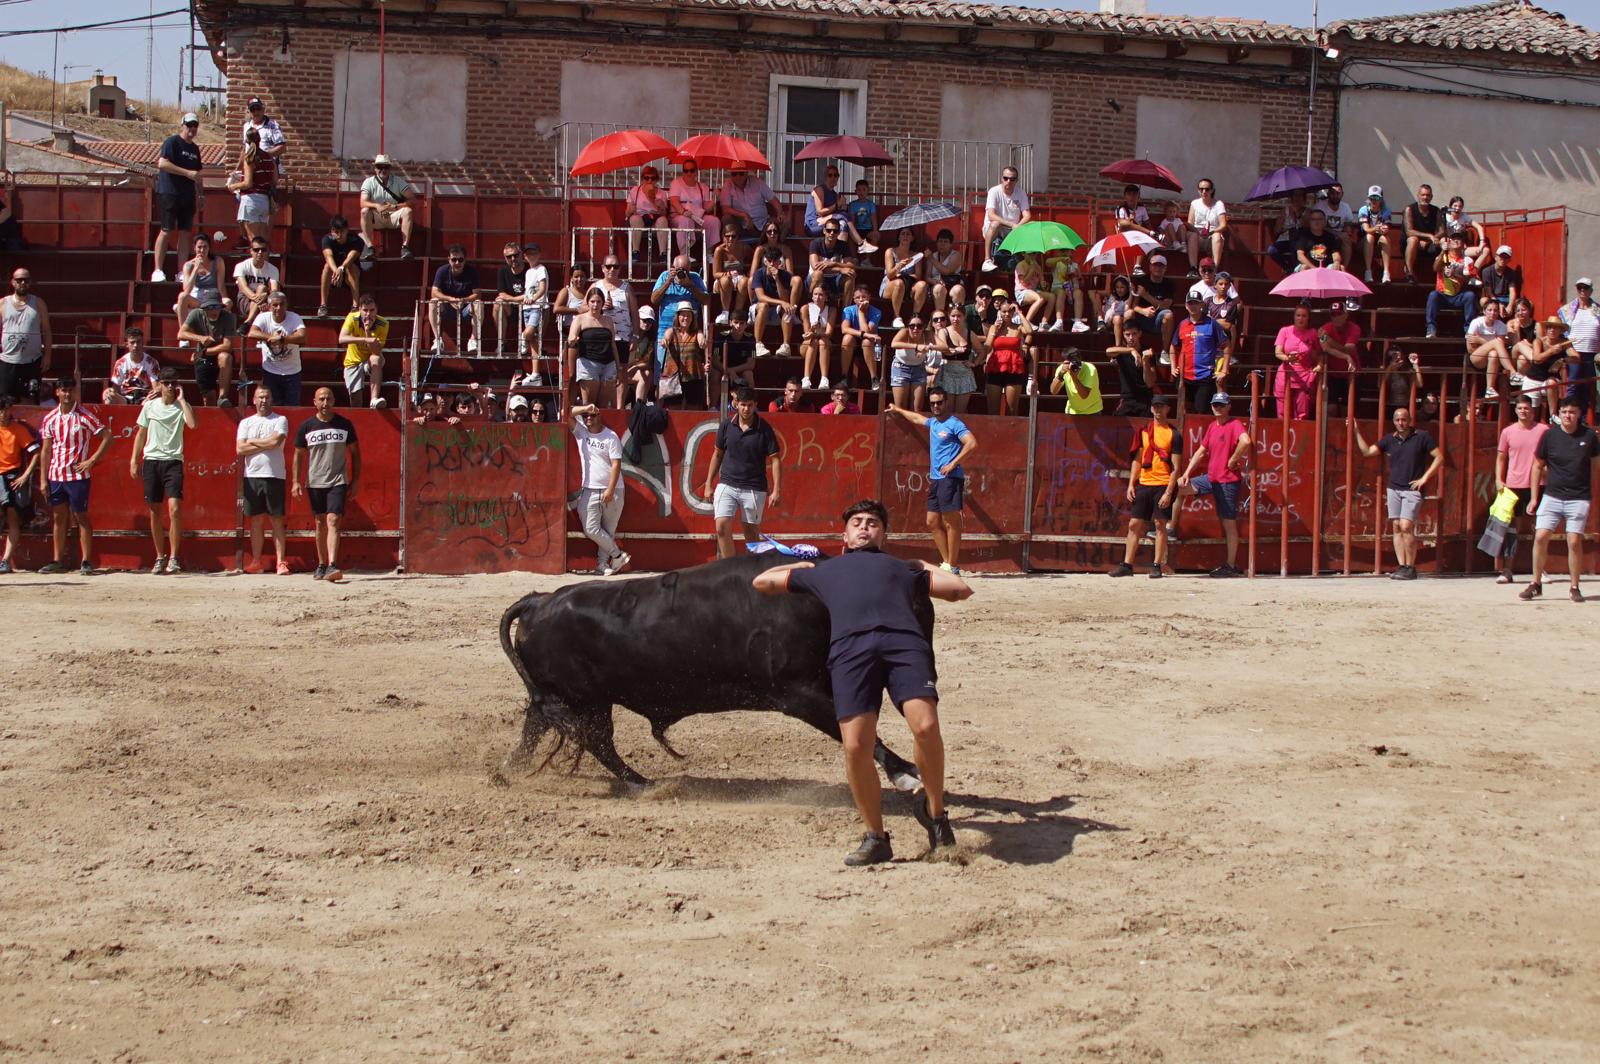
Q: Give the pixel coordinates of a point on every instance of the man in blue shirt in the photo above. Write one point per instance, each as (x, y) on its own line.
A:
(177, 191)
(877, 643)
(1199, 354)
(455, 300)
(949, 444)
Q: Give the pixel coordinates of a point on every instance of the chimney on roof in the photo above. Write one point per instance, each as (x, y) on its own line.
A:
(63, 141)
(1122, 7)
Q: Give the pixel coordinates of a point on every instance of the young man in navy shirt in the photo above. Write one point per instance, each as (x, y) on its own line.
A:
(876, 643)
(949, 444)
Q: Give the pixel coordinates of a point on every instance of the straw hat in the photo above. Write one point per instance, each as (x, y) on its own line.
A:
(1557, 322)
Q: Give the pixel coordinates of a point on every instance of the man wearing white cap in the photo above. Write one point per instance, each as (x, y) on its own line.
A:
(266, 127)
(177, 190)
(1374, 219)
(385, 204)
(1582, 317)
(1502, 282)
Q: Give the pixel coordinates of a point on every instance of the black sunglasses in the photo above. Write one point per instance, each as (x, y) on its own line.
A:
(612, 266)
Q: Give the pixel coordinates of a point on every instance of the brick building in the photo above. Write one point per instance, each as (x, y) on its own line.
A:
(492, 94)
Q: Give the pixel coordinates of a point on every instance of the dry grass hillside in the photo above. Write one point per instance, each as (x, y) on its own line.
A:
(24, 91)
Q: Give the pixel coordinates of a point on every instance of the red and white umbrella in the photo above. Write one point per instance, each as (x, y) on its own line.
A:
(1104, 252)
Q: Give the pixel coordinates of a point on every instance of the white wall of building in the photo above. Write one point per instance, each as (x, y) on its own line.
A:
(425, 107)
(1196, 139)
(1496, 153)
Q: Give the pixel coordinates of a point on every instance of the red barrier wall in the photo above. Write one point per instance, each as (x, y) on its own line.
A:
(213, 521)
(485, 498)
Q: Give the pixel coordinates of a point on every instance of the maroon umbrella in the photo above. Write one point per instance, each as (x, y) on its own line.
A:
(1143, 172)
(858, 150)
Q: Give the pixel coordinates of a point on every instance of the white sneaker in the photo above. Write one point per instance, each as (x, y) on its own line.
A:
(1490, 393)
(877, 385)
(1386, 277)
(159, 277)
(1515, 380)
(806, 385)
(173, 568)
(1080, 326)
(619, 562)
(472, 347)
(899, 323)
(379, 403)
(762, 350)
(867, 248)
(367, 253)
(1166, 357)
(1057, 326)
(784, 351)
(724, 317)
(533, 380)
(1368, 278)
(988, 265)
(822, 385)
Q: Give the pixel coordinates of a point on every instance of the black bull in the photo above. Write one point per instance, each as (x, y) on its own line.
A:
(698, 640)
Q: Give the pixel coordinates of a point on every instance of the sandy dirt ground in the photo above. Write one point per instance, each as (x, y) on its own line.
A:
(254, 819)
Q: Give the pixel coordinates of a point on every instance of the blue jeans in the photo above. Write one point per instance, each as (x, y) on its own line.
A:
(1581, 382)
(1466, 302)
(283, 387)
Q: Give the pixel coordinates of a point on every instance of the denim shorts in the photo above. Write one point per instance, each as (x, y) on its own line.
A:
(904, 376)
(1554, 512)
(1226, 495)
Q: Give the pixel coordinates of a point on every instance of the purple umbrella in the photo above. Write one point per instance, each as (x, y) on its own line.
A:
(1287, 179)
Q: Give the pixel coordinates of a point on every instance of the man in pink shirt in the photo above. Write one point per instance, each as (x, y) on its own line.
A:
(1340, 339)
(1513, 468)
(1223, 448)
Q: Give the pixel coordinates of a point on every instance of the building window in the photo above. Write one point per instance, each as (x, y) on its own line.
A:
(801, 110)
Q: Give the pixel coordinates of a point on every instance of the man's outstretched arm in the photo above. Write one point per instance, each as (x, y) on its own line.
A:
(775, 581)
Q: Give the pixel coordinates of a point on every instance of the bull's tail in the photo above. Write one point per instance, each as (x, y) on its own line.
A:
(544, 713)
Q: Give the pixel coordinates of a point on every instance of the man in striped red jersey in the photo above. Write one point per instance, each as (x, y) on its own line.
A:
(64, 466)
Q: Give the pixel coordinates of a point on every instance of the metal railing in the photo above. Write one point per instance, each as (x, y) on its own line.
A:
(924, 168)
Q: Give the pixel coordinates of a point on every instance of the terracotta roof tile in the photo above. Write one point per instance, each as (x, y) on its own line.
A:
(142, 153)
(1163, 27)
(1508, 26)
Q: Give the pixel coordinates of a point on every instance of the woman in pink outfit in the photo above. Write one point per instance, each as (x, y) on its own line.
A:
(1299, 361)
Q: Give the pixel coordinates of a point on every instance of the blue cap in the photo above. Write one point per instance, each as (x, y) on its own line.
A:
(1221, 399)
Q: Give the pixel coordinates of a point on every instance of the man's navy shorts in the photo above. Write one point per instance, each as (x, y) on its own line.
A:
(1226, 496)
(945, 494)
(863, 666)
(73, 494)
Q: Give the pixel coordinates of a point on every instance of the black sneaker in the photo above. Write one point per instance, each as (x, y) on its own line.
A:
(85, 569)
(1410, 572)
(54, 568)
(322, 571)
(874, 849)
(1122, 569)
(1221, 572)
(1398, 574)
(937, 827)
(1155, 572)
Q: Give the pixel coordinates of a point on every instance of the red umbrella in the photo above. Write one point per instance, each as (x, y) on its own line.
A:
(618, 151)
(719, 151)
(858, 150)
(1143, 172)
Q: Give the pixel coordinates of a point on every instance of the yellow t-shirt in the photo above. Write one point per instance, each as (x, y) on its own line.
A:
(353, 355)
(1158, 448)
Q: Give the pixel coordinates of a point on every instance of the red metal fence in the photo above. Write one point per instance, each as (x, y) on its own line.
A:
(1044, 493)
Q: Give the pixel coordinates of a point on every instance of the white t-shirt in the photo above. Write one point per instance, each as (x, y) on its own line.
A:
(246, 271)
(289, 362)
(537, 279)
(1009, 208)
(597, 450)
(1208, 292)
(617, 300)
(1480, 327)
(820, 319)
(1203, 217)
(1338, 217)
(264, 463)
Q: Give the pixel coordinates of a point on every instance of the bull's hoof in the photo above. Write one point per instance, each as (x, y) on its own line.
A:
(904, 782)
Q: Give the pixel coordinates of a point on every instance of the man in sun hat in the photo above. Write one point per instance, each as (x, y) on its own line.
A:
(385, 204)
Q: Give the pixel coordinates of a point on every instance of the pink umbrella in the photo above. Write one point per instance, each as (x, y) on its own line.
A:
(1143, 172)
(1321, 283)
(1105, 251)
